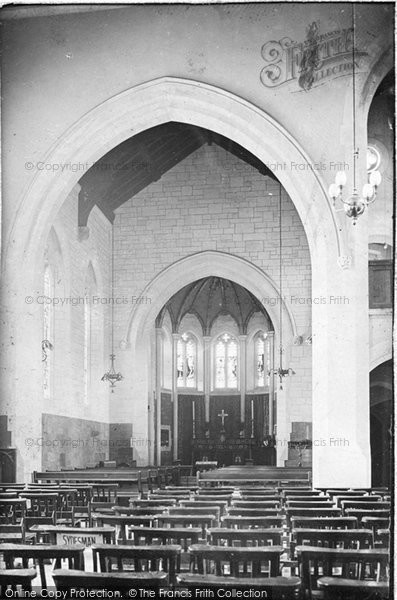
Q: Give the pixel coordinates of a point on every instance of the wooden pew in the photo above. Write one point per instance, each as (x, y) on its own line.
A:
(39, 553)
(11, 578)
(121, 522)
(194, 510)
(256, 504)
(141, 510)
(339, 498)
(203, 521)
(68, 580)
(255, 537)
(276, 588)
(312, 559)
(359, 505)
(307, 492)
(268, 476)
(152, 503)
(376, 524)
(312, 512)
(5, 486)
(85, 492)
(168, 496)
(291, 504)
(309, 499)
(243, 497)
(242, 562)
(76, 535)
(258, 491)
(12, 534)
(332, 538)
(206, 504)
(223, 492)
(170, 493)
(360, 514)
(382, 538)
(253, 512)
(128, 477)
(40, 504)
(29, 522)
(335, 588)
(211, 498)
(324, 522)
(252, 522)
(182, 536)
(345, 492)
(152, 558)
(13, 510)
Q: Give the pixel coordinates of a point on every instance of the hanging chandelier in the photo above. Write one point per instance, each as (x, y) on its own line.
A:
(281, 372)
(355, 204)
(111, 376)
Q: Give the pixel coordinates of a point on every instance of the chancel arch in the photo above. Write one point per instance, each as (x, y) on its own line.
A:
(217, 396)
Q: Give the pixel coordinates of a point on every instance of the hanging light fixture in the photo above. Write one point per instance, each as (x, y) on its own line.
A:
(281, 372)
(111, 375)
(355, 204)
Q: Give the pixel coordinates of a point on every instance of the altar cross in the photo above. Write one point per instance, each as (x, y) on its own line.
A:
(223, 415)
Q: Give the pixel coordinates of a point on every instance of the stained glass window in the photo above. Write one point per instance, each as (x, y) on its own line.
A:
(262, 360)
(186, 361)
(226, 362)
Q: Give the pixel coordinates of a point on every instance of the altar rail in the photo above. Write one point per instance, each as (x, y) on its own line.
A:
(239, 476)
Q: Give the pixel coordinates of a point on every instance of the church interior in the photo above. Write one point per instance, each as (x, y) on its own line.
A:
(197, 300)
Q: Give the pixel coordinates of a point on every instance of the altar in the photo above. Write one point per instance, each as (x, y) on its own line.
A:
(239, 451)
(225, 430)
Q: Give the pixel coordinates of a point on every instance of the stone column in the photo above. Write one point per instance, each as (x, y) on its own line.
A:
(341, 441)
(175, 338)
(207, 376)
(243, 374)
(159, 375)
(270, 336)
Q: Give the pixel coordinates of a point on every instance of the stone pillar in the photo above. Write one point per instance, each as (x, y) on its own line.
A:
(175, 338)
(159, 375)
(207, 376)
(270, 336)
(341, 442)
(243, 374)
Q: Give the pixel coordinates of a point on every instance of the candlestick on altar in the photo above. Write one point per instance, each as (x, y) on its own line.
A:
(252, 418)
(194, 417)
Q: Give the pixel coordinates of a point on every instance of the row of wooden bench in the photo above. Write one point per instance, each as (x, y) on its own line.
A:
(253, 565)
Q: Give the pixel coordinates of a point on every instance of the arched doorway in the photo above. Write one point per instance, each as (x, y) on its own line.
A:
(381, 412)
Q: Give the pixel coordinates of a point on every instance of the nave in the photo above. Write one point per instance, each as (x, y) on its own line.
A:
(270, 536)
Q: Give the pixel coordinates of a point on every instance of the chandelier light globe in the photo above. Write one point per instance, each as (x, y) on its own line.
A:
(340, 179)
(354, 207)
(368, 192)
(375, 179)
(333, 191)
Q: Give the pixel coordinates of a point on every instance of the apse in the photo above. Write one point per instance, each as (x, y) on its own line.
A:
(216, 384)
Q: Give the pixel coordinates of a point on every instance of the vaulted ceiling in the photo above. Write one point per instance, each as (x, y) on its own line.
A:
(144, 158)
(209, 298)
